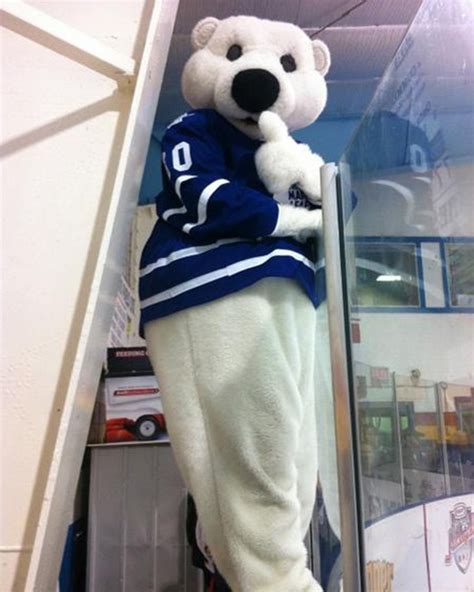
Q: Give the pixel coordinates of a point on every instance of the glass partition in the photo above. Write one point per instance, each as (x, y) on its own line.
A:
(408, 260)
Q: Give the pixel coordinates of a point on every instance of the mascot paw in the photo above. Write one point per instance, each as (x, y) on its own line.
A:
(314, 228)
(298, 222)
(281, 162)
(273, 128)
(310, 176)
(275, 160)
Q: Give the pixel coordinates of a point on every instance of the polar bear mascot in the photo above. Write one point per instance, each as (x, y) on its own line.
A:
(228, 295)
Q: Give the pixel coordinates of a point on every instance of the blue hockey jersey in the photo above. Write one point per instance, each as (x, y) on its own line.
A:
(215, 220)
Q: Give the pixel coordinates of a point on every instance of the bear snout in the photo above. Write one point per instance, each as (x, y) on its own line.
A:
(255, 90)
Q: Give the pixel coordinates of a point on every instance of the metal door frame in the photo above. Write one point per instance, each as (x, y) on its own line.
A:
(352, 549)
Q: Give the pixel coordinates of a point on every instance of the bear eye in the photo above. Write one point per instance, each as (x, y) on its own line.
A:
(234, 52)
(288, 62)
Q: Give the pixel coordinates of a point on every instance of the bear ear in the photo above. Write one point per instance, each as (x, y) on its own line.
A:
(322, 57)
(203, 31)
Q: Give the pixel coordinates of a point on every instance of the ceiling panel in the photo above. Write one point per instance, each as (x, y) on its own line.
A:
(361, 52)
(190, 11)
(305, 13)
(318, 13)
(361, 45)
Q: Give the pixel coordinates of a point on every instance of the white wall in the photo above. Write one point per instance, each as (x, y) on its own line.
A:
(441, 346)
(62, 126)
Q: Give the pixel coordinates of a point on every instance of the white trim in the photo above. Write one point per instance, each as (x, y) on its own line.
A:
(180, 119)
(163, 159)
(319, 265)
(230, 270)
(426, 180)
(204, 198)
(277, 221)
(172, 211)
(181, 179)
(188, 252)
(15, 549)
(65, 40)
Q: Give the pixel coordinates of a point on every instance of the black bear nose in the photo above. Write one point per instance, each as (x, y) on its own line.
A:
(255, 90)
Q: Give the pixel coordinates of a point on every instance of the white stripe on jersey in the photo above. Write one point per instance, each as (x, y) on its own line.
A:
(181, 179)
(189, 252)
(205, 196)
(173, 211)
(230, 270)
(163, 158)
(177, 186)
(180, 119)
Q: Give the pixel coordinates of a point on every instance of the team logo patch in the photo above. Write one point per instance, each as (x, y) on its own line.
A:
(461, 537)
(379, 576)
(294, 196)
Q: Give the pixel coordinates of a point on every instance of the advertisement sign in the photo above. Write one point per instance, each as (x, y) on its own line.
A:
(379, 376)
(450, 542)
(399, 560)
(432, 550)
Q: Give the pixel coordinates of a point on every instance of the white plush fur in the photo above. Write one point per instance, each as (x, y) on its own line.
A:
(237, 374)
(237, 381)
(322, 59)
(207, 82)
(298, 222)
(208, 74)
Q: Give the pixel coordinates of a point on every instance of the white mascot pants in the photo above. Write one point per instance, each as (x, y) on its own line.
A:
(237, 381)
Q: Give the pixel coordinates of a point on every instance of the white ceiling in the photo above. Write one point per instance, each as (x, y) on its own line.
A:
(362, 44)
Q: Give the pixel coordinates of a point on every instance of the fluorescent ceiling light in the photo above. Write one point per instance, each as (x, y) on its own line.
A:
(389, 278)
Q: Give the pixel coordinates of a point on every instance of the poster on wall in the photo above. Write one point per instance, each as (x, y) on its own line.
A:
(379, 376)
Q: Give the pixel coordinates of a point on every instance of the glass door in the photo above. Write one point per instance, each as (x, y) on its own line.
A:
(405, 322)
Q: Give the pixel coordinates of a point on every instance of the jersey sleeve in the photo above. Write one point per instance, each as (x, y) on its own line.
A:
(203, 200)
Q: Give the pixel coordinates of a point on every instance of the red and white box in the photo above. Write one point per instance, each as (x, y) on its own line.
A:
(129, 406)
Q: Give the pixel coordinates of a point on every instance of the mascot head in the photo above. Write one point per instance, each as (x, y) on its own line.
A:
(243, 65)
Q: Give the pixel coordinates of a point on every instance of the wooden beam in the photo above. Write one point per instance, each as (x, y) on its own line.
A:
(65, 40)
